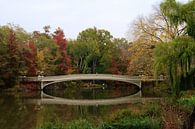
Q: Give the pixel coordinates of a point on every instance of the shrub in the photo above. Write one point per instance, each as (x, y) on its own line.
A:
(126, 119)
(121, 115)
(133, 123)
(152, 110)
(187, 102)
(79, 124)
(50, 125)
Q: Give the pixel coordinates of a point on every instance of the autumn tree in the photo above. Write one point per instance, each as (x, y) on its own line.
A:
(64, 61)
(141, 58)
(10, 54)
(29, 55)
(123, 54)
(147, 33)
(47, 53)
(156, 28)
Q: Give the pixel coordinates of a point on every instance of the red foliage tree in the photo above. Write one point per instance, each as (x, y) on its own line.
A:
(113, 67)
(64, 60)
(30, 58)
(12, 45)
(12, 49)
(10, 64)
(10, 59)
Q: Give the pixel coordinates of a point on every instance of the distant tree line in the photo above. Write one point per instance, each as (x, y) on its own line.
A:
(31, 54)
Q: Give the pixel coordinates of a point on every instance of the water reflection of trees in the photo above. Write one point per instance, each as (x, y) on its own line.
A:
(97, 89)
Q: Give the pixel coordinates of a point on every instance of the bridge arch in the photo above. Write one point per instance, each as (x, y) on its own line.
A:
(46, 81)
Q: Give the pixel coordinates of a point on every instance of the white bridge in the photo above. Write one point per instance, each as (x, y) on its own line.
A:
(47, 80)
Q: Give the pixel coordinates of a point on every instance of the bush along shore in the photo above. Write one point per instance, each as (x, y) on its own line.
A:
(164, 114)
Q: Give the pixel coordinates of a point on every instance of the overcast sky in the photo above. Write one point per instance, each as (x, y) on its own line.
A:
(74, 16)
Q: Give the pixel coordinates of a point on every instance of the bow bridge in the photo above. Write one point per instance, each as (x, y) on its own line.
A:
(47, 80)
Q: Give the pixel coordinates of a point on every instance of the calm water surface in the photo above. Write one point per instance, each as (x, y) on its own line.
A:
(17, 113)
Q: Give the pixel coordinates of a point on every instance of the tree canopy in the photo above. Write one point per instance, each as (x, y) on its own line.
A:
(177, 56)
(96, 51)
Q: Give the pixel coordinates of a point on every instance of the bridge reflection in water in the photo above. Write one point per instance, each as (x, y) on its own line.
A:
(47, 99)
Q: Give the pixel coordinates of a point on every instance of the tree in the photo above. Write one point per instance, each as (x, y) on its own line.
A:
(29, 55)
(10, 54)
(156, 28)
(64, 60)
(147, 33)
(175, 59)
(179, 14)
(141, 59)
(48, 53)
(78, 52)
(122, 57)
(96, 51)
(90, 52)
(89, 48)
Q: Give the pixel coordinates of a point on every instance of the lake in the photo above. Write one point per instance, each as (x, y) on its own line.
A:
(18, 112)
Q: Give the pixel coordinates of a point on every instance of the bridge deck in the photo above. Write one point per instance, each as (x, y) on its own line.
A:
(87, 76)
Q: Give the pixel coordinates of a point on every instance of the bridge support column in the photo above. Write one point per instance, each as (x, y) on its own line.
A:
(41, 95)
(42, 84)
(140, 94)
(140, 85)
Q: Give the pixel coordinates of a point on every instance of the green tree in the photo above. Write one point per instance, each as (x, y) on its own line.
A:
(77, 51)
(115, 59)
(180, 14)
(96, 51)
(89, 48)
(177, 57)
(47, 53)
(176, 60)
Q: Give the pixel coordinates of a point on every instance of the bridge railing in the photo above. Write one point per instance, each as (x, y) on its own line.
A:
(93, 75)
(153, 78)
(30, 79)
